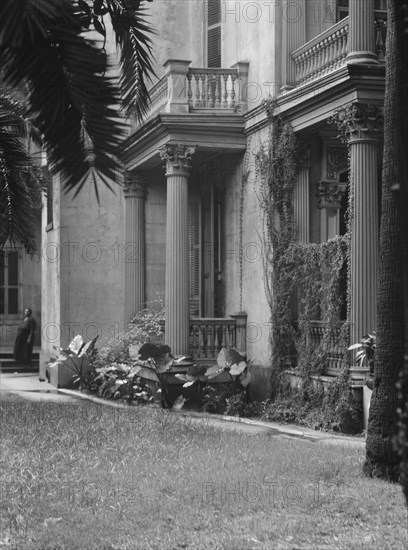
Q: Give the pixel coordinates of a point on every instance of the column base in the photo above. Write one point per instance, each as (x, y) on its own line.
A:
(362, 57)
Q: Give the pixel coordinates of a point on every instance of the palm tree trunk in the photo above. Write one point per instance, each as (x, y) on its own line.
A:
(402, 30)
(382, 458)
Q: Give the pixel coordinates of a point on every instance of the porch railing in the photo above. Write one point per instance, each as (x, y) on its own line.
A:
(209, 335)
(328, 51)
(335, 352)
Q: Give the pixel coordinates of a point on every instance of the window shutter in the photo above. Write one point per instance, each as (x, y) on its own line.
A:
(194, 256)
(214, 12)
(214, 47)
(214, 33)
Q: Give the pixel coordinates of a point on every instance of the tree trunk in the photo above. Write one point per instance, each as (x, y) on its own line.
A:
(382, 458)
(402, 33)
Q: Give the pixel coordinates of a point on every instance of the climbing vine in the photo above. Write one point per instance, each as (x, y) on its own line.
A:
(314, 272)
(244, 175)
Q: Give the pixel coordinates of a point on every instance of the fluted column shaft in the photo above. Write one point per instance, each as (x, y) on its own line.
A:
(177, 270)
(364, 123)
(134, 245)
(361, 42)
(364, 237)
(294, 35)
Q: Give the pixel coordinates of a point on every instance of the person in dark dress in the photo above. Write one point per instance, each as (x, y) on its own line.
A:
(23, 346)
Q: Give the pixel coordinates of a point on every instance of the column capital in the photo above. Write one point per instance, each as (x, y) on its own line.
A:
(134, 184)
(177, 158)
(361, 121)
(330, 194)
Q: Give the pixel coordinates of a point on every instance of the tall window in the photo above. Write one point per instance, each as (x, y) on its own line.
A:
(8, 282)
(214, 33)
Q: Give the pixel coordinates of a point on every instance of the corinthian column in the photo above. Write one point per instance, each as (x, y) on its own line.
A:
(361, 42)
(134, 191)
(177, 160)
(364, 123)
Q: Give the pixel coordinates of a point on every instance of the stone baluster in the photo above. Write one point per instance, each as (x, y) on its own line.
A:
(134, 191)
(361, 44)
(177, 158)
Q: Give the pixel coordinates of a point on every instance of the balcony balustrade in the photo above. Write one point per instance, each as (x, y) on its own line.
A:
(184, 89)
(328, 51)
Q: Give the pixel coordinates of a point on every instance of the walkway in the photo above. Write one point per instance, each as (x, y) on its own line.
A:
(28, 387)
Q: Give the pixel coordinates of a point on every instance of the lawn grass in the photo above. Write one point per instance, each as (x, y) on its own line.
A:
(76, 476)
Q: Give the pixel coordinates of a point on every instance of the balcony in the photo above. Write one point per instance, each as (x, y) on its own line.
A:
(184, 89)
(328, 51)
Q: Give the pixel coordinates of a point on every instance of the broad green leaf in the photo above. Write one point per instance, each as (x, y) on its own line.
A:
(238, 369)
(233, 357)
(76, 344)
(164, 368)
(245, 378)
(354, 346)
(222, 359)
(214, 371)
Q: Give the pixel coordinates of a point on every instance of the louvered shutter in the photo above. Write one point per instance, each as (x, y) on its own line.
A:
(214, 12)
(214, 47)
(194, 256)
(214, 33)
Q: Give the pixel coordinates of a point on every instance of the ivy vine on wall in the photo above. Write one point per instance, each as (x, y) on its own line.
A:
(315, 273)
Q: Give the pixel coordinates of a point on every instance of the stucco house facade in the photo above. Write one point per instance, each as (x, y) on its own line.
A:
(181, 225)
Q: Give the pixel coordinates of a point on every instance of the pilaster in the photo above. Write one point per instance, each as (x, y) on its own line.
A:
(330, 195)
(134, 191)
(301, 199)
(177, 158)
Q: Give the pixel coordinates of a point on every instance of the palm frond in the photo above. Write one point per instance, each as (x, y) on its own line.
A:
(132, 33)
(72, 102)
(21, 182)
(17, 211)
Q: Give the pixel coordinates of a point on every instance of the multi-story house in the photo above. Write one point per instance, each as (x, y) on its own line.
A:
(186, 225)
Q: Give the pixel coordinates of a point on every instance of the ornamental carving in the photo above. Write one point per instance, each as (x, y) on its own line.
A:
(330, 194)
(361, 120)
(177, 157)
(304, 153)
(337, 161)
(134, 184)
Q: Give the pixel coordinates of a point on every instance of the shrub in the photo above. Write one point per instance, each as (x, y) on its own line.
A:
(145, 327)
(239, 405)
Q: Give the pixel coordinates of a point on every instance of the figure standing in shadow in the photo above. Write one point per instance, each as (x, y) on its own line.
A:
(23, 346)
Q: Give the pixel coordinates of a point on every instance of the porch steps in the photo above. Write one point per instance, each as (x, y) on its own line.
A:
(8, 365)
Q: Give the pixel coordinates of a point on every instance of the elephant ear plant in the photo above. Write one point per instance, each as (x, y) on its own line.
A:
(365, 355)
(78, 358)
(230, 361)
